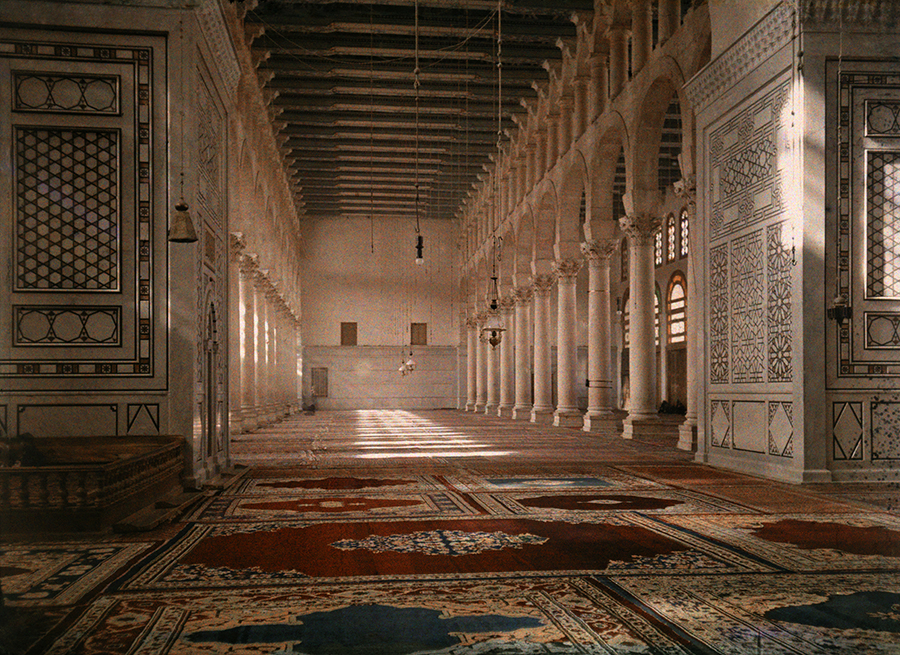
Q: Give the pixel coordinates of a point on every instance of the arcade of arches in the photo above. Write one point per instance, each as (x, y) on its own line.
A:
(692, 205)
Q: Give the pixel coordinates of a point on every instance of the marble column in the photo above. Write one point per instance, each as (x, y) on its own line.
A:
(669, 19)
(261, 285)
(640, 229)
(272, 355)
(481, 364)
(642, 35)
(541, 154)
(567, 412)
(564, 131)
(686, 189)
(471, 363)
(542, 410)
(522, 407)
(237, 246)
(553, 120)
(507, 352)
(618, 60)
(493, 368)
(530, 166)
(248, 268)
(580, 115)
(599, 415)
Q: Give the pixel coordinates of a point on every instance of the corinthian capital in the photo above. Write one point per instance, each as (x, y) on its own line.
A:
(640, 228)
(507, 304)
(542, 284)
(471, 323)
(567, 269)
(599, 250)
(686, 189)
(523, 295)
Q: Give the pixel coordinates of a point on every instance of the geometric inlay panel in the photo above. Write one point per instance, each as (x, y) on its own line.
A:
(883, 231)
(882, 118)
(781, 429)
(720, 421)
(747, 310)
(883, 331)
(749, 426)
(885, 425)
(86, 420)
(718, 315)
(60, 92)
(67, 326)
(67, 223)
(778, 312)
(143, 419)
(847, 431)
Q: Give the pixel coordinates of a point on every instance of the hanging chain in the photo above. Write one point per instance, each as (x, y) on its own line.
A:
(416, 86)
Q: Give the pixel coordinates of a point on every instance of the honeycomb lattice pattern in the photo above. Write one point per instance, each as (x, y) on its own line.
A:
(883, 181)
(68, 220)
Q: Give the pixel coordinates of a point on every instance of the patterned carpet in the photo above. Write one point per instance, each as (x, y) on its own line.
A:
(442, 532)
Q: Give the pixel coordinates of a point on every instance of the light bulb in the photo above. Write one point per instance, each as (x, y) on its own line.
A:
(419, 261)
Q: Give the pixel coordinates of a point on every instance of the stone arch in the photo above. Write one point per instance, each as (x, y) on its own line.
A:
(569, 224)
(607, 153)
(524, 248)
(545, 217)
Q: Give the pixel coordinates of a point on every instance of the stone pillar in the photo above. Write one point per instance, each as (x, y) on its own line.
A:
(481, 363)
(248, 269)
(507, 352)
(642, 35)
(522, 408)
(669, 19)
(262, 375)
(531, 176)
(640, 229)
(618, 60)
(566, 111)
(542, 411)
(687, 431)
(272, 354)
(471, 363)
(599, 416)
(567, 413)
(541, 155)
(493, 369)
(553, 119)
(598, 95)
(235, 335)
(580, 115)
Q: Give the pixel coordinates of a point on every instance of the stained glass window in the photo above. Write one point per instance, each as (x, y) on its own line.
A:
(684, 233)
(677, 308)
(670, 238)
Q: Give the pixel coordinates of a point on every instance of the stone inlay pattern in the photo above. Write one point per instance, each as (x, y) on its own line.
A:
(67, 227)
(747, 327)
(441, 542)
(718, 323)
(882, 331)
(847, 431)
(66, 93)
(885, 422)
(781, 429)
(882, 117)
(778, 306)
(55, 326)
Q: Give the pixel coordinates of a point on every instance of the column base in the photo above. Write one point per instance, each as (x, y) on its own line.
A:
(491, 409)
(470, 407)
(521, 413)
(651, 428)
(602, 423)
(542, 415)
(687, 436)
(505, 411)
(249, 419)
(567, 418)
(479, 408)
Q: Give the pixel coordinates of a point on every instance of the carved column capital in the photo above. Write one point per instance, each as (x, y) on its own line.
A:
(248, 264)
(237, 244)
(480, 319)
(567, 269)
(542, 284)
(686, 189)
(640, 228)
(472, 323)
(599, 250)
(523, 295)
(507, 304)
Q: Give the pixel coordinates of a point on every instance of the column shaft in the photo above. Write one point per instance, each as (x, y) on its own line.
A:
(642, 35)
(248, 346)
(618, 60)
(493, 371)
(522, 408)
(481, 362)
(669, 19)
(471, 364)
(542, 410)
(599, 415)
(507, 364)
(566, 407)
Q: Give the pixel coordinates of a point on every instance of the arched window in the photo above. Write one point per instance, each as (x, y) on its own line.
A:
(670, 238)
(683, 251)
(626, 320)
(623, 250)
(658, 249)
(676, 305)
(656, 305)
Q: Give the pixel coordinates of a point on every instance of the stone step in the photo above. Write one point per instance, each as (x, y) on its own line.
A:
(163, 511)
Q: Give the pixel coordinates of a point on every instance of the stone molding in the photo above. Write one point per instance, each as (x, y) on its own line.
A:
(880, 14)
(542, 284)
(212, 24)
(598, 251)
(567, 269)
(768, 36)
(523, 295)
(640, 228)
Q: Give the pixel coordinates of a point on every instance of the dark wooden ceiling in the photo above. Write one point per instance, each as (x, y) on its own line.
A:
(341, 78)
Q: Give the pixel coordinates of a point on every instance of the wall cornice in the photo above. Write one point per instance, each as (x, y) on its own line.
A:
(212, 24)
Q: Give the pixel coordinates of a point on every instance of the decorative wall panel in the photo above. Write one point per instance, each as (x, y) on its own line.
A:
(4, 422)
(719, 313)
(67, 326)
(749, 426)
(781, 429)
(85, 179)
(779, 320)
(883, 237)
(75, 420)
(883, 118)
(882, 331)
(847, 431)
(747, 325)
(67, 214)
(143, 419)
(885, 422)
(720, 413)
(63, 92)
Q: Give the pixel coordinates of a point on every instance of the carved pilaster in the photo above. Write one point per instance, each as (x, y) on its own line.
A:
(640, 228)
(542, 284)
(599, 250)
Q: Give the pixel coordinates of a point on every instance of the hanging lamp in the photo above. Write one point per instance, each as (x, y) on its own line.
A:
(181, 226)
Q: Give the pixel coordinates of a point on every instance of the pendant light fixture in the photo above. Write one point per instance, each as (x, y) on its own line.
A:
(181, 226)
(420, 241)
